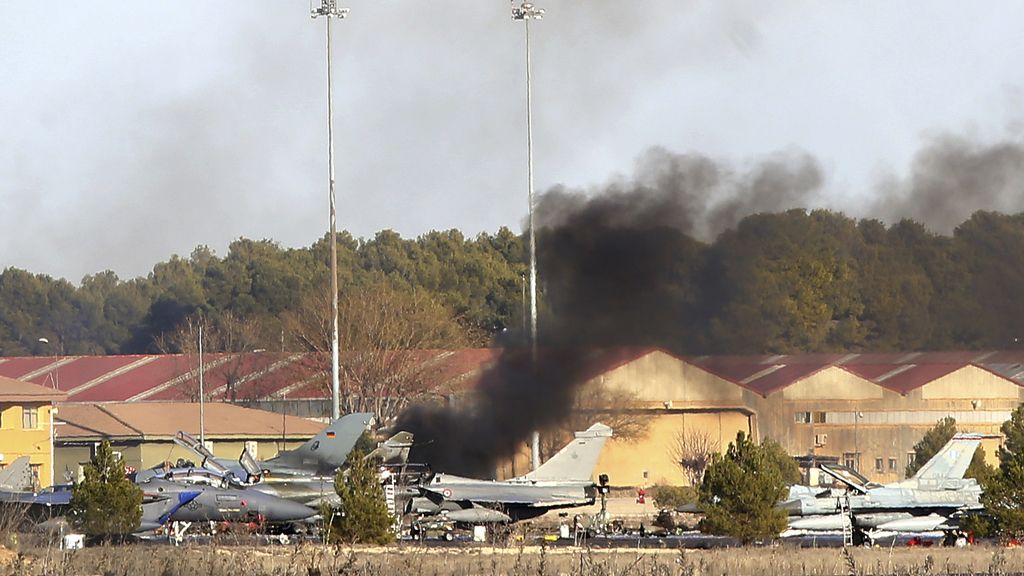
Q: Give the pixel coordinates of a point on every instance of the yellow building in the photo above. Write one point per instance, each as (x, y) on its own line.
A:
(651, 399)
(143, 432)
(25, 426)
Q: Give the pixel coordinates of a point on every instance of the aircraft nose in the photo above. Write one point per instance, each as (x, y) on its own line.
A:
(280, 510)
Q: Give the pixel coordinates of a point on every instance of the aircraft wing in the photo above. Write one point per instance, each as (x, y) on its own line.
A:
(44, 498)
(508, 495)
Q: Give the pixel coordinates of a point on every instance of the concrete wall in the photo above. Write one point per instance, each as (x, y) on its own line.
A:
(851, 416)
(832, 412)
(658, 377)
(651, 460)
(970, 383)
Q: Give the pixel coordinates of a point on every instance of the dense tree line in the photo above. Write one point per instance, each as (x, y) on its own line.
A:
(776, 283)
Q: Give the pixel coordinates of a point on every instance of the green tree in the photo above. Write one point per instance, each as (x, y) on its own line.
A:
(1003, 497)
(740, 491)
(363, 516)
(934, 439)
(777, 457)
(1013, 432)
(106, 504)
(365, 443)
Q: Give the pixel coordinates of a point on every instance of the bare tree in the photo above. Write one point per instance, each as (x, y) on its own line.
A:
(618, 409)
(226, 338)
(393, 345)
(693, 451)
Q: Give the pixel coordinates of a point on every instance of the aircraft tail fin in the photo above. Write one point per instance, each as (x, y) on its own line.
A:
(395, 450)
(951, 462)
(328, 450)
(577, 460)
(17, 476)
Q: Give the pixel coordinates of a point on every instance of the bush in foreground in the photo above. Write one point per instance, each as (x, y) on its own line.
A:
(740, 491)
(363, 517)
(106, 504)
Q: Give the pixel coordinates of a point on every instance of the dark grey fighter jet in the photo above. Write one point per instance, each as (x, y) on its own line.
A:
(563, 481)
(170, 501)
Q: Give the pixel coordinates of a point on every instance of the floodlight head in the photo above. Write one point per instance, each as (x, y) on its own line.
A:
(526, 11)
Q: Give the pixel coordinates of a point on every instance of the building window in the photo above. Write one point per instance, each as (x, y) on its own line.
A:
(819, 417)
(851, 460)
(910, 458)
(252, 447)
(802, 417)
(35, 468)
(29, 418)
(892, 464)
(879, 465)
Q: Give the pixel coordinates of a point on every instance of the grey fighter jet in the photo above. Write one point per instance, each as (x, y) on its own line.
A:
(170, 501)
(929, 501)
(563, 481)
(321, 455)
(304, 475)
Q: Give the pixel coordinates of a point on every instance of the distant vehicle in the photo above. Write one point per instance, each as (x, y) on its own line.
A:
(931, 500)
(564, 481)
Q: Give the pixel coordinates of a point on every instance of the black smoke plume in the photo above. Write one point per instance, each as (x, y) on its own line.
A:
(616, 269)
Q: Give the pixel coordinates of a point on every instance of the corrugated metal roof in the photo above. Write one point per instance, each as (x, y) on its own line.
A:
(18, 367)
(301, 376)
(783, 377)
(903, 379)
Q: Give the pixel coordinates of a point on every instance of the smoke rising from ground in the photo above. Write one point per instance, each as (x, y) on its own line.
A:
(951, 178)
(616, 267)
(512, 399)
(610, 267)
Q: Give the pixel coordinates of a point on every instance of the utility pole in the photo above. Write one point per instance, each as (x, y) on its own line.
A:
(526, 12)
(329, 9)
(202, 400)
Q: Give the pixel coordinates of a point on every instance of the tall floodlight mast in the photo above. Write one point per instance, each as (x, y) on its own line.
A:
(526, 12)
(329, 9)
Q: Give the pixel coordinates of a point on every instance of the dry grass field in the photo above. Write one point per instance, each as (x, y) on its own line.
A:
(308, 560)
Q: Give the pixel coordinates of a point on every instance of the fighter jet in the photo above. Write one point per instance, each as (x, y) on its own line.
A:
(304, 475)
(561, 482)
(170, 501)
(931, 500)
(321, 455)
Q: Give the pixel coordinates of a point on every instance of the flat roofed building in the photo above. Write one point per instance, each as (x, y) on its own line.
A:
(143, 432)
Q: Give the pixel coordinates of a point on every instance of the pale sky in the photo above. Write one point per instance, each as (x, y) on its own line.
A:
(133, 131)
